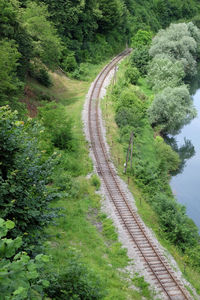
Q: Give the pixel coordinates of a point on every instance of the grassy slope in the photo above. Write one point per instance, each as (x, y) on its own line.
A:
(144, 209)
(83, 226)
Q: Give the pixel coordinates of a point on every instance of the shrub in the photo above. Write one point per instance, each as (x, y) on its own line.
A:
(58, 126)
(179, 229)
(139, 282)
(95, 181)
(140, 59)
(132, 75)
(141, 38)
(75, 282)
(43, 78)
(20, 275)
(169, 159)
(41, 75)
(24, 175)
(69, 63)
(130, 110)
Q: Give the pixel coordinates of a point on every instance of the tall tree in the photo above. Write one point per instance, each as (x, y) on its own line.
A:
(46, 43)
(9, 61)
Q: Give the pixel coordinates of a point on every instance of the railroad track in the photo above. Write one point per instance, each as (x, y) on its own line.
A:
(157, 267)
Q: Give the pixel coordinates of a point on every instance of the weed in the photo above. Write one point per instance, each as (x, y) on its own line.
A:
(95, 181)
(143, 286)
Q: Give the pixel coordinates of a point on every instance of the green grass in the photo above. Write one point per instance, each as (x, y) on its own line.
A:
(142, 83)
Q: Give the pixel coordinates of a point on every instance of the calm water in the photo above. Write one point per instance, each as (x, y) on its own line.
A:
(186, 185)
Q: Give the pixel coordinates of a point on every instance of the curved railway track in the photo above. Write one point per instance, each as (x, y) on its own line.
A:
(154, 262)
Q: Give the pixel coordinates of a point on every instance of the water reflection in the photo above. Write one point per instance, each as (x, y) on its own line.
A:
(185, 183)
(185, 152)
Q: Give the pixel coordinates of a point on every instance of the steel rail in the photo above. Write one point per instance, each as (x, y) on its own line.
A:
(97, 88)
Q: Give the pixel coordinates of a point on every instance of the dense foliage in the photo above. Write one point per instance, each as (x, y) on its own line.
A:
(171, 109)
(45, 42)
(9, 82)
(75, 282)
(19, 274)
(60, 130)
(24, 176)
(164, 72)
(180, 42)
(175, 52)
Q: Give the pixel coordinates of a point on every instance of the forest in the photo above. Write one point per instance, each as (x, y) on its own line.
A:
(43, 186)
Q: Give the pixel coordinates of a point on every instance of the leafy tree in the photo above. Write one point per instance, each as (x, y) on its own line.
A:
(8, 17)
(195, 33)
(179, 42)
(24, 176)
(112, 13)
(12, 29)
(140, 59)
(130, 110)
(164, 72)
(141, 38)
(9, 83)
(19, 274)
(46, 43)
(171, 108)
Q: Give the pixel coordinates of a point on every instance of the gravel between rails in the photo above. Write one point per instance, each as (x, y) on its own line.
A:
(136, 264)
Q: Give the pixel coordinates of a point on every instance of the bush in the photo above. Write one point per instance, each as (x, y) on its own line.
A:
(20, 275)
(132, 75)
(179, 229)
(41, 75)
(95, 181)
(130, 110)
(141, 38)
(169, 159)
(140, 283)
(58, 126)
(76, 282)
(24, 176)
(43, 78)
(140, 59)
(69, 63)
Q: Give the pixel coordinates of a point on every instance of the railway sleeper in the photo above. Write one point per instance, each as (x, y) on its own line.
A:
(177, 296)
(169, 284)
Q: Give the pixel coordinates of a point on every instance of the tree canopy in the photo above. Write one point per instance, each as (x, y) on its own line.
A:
(171, 108)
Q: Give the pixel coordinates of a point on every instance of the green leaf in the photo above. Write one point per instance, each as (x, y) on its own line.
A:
(21, 291)
(3, 229)
(45, 283)
(10, 224)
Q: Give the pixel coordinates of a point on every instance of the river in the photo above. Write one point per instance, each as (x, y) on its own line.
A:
(186, 184)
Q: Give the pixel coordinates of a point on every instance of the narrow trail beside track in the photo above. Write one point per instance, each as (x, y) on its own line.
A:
(152, 259)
